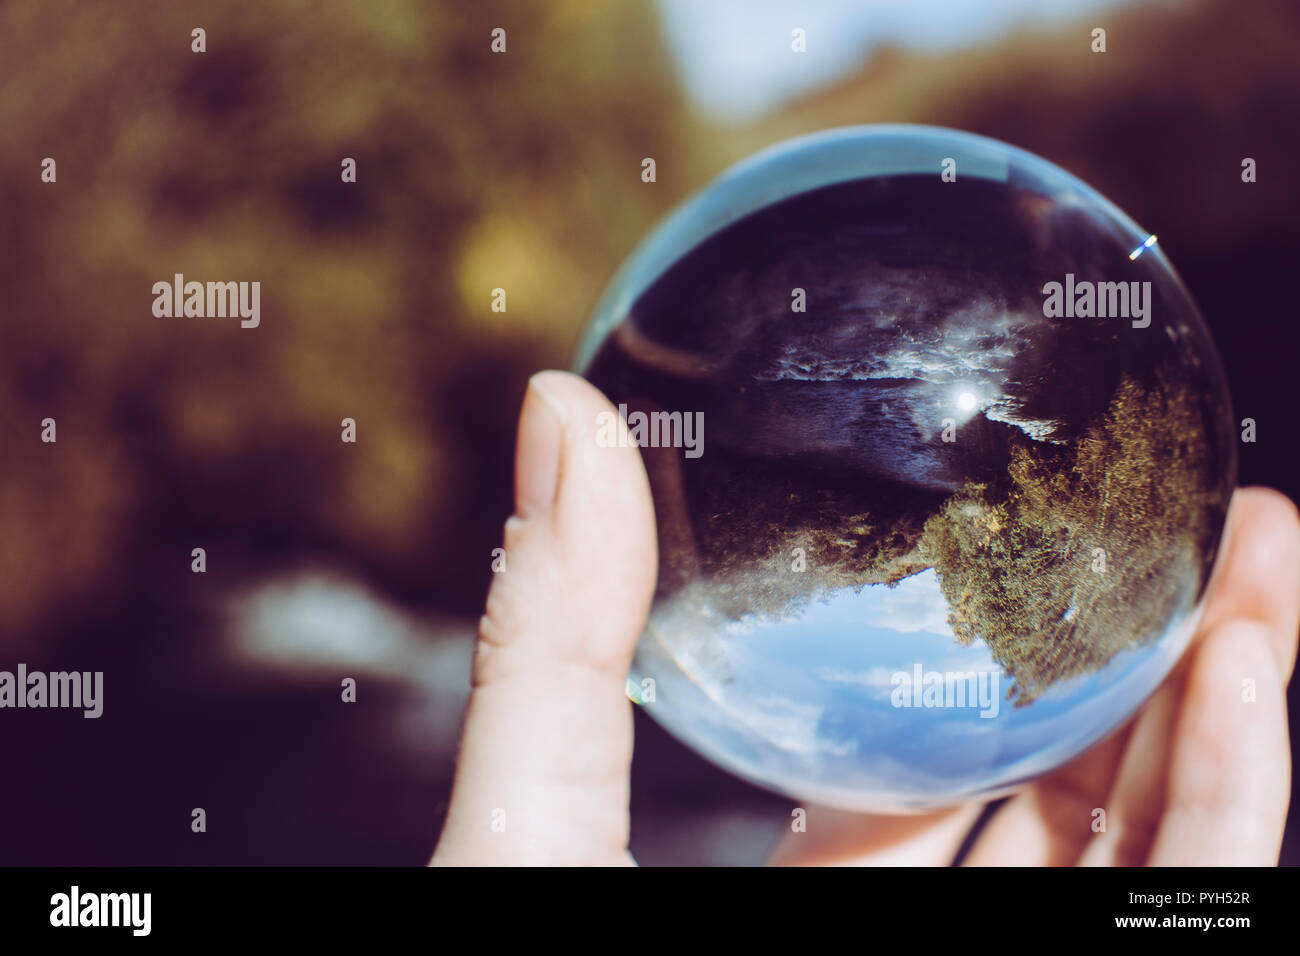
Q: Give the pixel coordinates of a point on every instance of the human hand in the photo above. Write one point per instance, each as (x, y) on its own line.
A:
(1197, 777)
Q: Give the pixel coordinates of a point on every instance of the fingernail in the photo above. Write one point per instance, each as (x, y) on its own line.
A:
(539, 449)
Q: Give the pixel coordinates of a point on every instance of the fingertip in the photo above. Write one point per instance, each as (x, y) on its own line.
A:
(1258, 574)
(1229, 770)
(604, 519)
(547, 739)
(1272, 517)
(538, 449)
(574, 397)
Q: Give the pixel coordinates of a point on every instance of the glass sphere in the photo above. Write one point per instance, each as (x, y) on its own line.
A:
(940, 450)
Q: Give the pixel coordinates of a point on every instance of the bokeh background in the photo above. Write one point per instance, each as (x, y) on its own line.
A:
(475, 171)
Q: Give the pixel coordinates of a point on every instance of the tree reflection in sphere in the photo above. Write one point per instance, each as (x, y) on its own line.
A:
(940, 450)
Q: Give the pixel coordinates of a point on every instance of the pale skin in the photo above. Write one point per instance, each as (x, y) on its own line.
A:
(1198, 777)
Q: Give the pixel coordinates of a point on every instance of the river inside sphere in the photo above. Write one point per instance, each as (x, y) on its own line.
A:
(941, 453)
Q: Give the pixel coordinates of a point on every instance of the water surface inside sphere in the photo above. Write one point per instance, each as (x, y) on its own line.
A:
(940, 450)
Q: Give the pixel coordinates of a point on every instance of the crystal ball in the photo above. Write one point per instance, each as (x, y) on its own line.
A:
(940, 450)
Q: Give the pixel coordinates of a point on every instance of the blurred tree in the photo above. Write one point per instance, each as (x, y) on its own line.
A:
(475, 170)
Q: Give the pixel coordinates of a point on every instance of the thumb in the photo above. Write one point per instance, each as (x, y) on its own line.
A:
(546, 748)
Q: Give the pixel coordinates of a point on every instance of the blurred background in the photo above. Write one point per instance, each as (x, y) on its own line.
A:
(475, 171)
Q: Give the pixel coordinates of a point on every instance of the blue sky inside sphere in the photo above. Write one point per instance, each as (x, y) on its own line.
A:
(804, 702)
